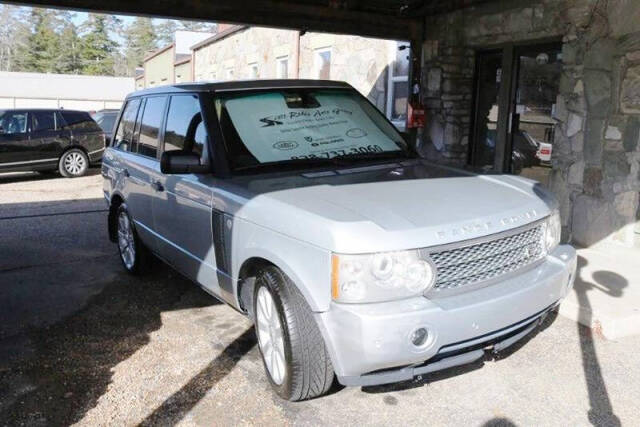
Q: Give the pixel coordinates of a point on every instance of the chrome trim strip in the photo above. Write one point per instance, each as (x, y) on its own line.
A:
(95, 151)
(484, 239)
(55, 159)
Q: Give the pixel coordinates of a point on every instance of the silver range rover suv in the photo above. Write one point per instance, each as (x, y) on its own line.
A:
(297, 203)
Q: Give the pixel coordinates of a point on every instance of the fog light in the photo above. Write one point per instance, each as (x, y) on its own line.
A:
(419, 337)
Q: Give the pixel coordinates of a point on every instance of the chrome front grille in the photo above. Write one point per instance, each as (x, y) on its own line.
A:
(481, 261)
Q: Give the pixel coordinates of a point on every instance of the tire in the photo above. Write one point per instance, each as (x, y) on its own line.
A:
(308, 371)
(73, 163)
(133, 253)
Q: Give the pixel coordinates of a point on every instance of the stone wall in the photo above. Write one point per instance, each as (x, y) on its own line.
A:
(362, 62)
(238, 51)
(596, 155)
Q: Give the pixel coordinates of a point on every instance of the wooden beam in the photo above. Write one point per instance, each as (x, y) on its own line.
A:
(267, 13)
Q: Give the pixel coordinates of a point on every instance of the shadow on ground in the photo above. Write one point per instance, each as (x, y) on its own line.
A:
(73, 360)
(10, 177)
(601, 410)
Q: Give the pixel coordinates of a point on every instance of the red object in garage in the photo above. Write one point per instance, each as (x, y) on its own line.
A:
(415, 115)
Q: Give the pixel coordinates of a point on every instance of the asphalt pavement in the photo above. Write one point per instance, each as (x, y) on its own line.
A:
(83, 342)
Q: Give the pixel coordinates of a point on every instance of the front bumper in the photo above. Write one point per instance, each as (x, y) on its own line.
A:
(370, 343)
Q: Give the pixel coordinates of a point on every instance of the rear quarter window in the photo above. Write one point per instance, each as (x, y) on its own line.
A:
(80, 121)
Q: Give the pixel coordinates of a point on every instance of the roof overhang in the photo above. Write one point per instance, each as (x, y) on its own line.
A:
(391, 19)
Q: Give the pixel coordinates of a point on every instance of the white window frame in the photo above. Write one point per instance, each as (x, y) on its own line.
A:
(256, 67)
(279, 61)
(317, 63)
(400, 124)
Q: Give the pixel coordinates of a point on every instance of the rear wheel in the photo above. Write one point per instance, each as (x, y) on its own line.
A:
(73, 163)
(295, 357)
(133, 253)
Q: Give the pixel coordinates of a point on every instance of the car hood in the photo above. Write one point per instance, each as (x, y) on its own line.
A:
(417, 202)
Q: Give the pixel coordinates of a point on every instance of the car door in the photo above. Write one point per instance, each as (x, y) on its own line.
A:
(142, 168)
(48, 136)
(14, 139)
(182, 206)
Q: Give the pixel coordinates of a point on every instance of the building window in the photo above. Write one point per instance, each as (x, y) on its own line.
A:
(254, 72)
(322, 63)
(398, 86)
(282, 67)
(229, 74)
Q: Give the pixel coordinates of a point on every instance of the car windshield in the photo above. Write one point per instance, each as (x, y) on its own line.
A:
(289, 127)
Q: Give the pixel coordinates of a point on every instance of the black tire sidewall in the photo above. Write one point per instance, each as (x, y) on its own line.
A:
(62, 169)
(276, 289)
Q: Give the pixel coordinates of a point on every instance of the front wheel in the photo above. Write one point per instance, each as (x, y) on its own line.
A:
(73, 163)
(295, 357)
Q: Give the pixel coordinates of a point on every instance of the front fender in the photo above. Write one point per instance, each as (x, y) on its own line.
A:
(308, 266)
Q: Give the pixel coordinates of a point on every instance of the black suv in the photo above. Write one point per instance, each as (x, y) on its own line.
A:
(39, 140)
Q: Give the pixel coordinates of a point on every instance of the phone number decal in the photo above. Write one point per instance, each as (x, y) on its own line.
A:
(364, 149)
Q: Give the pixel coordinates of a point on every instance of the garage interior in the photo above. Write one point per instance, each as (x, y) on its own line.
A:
(477, 68)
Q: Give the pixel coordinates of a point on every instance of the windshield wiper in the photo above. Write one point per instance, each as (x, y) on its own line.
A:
(314, 161)
(386, 155)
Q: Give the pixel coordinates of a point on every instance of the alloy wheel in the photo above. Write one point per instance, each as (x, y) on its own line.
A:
(74, 163)
(270, 335)
(126, 242)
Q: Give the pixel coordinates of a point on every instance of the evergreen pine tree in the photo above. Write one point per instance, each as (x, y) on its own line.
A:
(97, 48)
(140, 41)
(165, 31)
(69, 61)
(41, 50)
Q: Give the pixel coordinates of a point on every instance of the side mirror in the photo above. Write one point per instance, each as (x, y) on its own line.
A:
(177, 161)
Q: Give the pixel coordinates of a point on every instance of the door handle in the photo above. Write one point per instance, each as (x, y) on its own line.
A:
(157, 186)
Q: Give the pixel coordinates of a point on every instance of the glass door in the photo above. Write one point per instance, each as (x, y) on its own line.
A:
(485, 123)
(532, 107)
(515, 94)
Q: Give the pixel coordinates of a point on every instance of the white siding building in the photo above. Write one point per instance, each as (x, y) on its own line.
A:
(39, 90)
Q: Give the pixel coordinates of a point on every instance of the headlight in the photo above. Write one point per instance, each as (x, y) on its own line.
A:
(553, 229)
(380, 277)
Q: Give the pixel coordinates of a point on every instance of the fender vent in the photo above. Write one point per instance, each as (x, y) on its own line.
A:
(222, 225)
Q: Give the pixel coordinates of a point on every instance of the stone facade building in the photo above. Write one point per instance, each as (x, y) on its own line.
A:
(375, 67)
(172, 63)
(489, 71)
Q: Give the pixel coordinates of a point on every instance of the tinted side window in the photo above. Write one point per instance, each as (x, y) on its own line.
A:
(150, 128)
(124, 135)
(79, 121)
(43, 121)
(106, 121)
(184, 129)
(13, 122)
